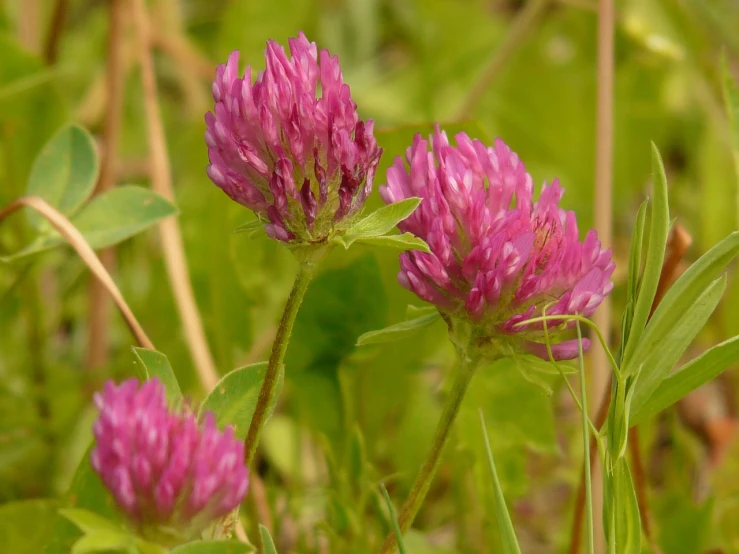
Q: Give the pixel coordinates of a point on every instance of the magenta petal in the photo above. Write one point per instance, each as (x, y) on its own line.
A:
(161, 466)
(296, 123)
(502, 257)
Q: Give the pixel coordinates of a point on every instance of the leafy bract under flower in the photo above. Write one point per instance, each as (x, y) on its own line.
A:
(290, 146)
(164, 469)
(498, 258)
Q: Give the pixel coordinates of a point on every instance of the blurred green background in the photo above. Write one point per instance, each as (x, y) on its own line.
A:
(352, 417)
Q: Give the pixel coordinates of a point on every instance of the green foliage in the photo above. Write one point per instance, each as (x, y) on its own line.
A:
(213, 547)
(156, 364)
(87, 494)
(267, 542)
(508, 535)
(398, 331)
(351, 417)
(621, 521)
(688, 378)
(64, 173)
(394, 521)
(234, 398)
(658, 231)
(26, 526)
(731, 100)
(109, 218)
(100, 534)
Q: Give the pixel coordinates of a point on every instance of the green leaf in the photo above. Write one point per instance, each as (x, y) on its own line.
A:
(659, 228)
(64, 172)
(731, 100)
(405, 241)
(521, 412)
(146, 547)
(103, 541)
(27, 525)
(234, 399)
(268, 545)
(110, 218)
(251, 228)
(398, 331)
(682, 294)
(357, 457)
(689, 377)
(88, 521)
(393, 520)
(340, 305)
(622, 523)
(536, 364)
(32, 109)
(156, 364)
(213, 547)
(632, 283)
(87, 492)
(655, 364)
(382, 220)
(507, 533)
(413, 312)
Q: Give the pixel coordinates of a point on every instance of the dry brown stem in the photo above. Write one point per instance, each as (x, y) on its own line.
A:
(67, 230)
(171, 238)
(97, 341)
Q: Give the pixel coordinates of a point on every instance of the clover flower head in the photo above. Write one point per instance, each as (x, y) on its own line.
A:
(497, 257)
(164, 469)
(290, 145)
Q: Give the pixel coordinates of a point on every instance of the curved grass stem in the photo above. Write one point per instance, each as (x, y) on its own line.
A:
(279, 347)
(426, 475)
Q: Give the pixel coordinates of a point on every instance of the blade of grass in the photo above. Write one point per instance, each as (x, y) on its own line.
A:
(268, 545)
(394, 520)
(659, 228)
(507, 533)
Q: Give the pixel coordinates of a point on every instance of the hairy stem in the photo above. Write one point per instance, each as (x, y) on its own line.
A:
(279, 347)
(586, 447)
(426, 475)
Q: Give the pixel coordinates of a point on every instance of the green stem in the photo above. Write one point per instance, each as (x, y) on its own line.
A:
(423, 480)
(586, 448)
(279, 347)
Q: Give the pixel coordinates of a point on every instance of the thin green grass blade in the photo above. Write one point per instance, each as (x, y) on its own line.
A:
(676, 303)
(394, 520)
(632, 283)
(654, 365)
(689, 377)
(507, 533)
(659, 228)
(586, 447)
(268, 545)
